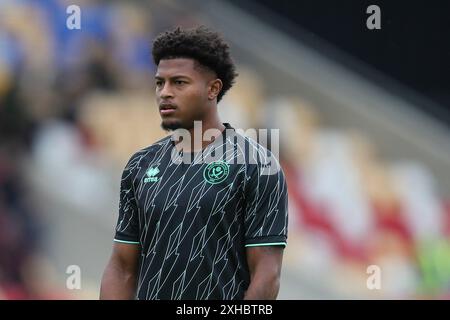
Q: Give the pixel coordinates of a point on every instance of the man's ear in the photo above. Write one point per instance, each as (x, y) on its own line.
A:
(214, 88)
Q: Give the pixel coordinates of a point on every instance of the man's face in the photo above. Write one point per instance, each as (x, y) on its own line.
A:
(181, 93)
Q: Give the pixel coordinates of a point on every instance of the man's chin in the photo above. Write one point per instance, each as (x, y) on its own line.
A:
(171, 125)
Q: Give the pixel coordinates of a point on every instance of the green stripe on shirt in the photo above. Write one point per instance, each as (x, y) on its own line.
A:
(123, 241)
(267, 244)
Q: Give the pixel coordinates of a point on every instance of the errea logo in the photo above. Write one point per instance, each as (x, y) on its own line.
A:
(151, 173)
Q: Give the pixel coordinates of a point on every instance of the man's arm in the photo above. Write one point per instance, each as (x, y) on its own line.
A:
(264, 263)
(119, 278)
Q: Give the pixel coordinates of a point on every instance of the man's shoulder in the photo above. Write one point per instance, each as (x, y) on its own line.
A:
(253, 147)
(258, 158)
(139, 155)
(249, 138)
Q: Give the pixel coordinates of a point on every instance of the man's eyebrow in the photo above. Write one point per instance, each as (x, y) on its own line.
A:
(173, 77)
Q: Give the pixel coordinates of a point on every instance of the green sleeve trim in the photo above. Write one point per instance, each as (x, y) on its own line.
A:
(267, 244)
(123, 241)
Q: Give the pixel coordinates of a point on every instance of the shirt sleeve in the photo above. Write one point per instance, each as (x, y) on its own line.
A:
(127, 228)
(266, 216)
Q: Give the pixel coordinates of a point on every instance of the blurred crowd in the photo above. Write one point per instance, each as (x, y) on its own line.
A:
(75, 104)
(47, 75)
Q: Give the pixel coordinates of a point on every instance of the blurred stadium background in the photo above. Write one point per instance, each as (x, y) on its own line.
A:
(368, 169)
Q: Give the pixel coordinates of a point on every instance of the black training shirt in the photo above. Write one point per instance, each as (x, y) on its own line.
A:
(193, 221)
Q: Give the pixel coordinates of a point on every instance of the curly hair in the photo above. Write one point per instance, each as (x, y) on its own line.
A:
(201, 44)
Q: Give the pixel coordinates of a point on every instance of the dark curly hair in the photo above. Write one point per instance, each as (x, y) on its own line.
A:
(201, 44)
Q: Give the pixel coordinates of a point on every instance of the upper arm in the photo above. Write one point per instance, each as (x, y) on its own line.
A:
(125, 256)
(120, 276)
(127, 228)
(126, 245)
(266, 209)
(265, 260)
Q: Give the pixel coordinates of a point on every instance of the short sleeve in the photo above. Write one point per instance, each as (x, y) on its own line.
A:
(266, 216)
(127, 228)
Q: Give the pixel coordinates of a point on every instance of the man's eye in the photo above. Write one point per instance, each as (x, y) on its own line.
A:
(179, 82)
(158, 83)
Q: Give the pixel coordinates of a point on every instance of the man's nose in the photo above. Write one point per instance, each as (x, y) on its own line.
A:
(166, 91)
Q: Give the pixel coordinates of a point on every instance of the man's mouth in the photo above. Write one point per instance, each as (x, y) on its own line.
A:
(166, 108)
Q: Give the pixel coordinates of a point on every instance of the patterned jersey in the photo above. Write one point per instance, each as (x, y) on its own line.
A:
(194, 219)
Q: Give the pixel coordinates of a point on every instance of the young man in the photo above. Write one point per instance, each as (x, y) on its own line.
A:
(204, 229)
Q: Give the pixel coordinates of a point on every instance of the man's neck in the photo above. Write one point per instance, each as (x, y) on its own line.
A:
(197, 142)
